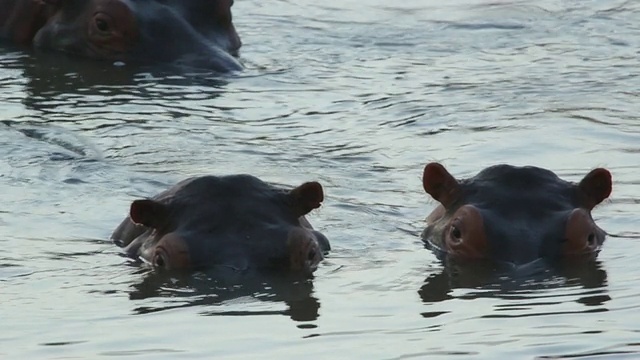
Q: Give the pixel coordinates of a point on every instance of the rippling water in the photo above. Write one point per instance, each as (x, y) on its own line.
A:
(359, 95)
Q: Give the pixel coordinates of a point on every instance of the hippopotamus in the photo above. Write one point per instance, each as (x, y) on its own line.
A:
(193, 32)
(237, 222)
(514, 215)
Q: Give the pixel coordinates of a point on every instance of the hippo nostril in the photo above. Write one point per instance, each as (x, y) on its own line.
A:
(456, 233)
(159, 261)
(591, 240)
(311, 255)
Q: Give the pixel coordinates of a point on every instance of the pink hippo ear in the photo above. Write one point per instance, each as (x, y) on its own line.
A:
(306, 197)
(441, 185)
(148, 212)
(595, 186)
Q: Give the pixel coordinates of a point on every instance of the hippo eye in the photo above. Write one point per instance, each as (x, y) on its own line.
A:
(591, 240)
(311, 255)
(102, 25)
(102, 22)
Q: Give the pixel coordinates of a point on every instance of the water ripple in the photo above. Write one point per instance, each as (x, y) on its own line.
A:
(359, 96)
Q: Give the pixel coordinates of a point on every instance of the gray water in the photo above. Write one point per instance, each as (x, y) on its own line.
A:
(358, 95)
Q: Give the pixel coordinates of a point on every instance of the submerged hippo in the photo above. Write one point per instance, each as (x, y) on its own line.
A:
(195, 32)
(513, 214)
(235, 221)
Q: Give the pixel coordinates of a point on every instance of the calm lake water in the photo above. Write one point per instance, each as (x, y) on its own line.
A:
(359, 95)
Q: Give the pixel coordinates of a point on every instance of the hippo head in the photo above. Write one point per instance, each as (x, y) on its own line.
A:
(514, 214)
(195, 32)
(236, 221)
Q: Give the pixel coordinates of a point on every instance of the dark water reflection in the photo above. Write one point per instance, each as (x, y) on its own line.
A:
(209, 291)
(55, 79)
(487, 280)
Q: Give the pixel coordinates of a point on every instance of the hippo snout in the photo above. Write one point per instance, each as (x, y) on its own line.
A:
(581, 234)
(304, 251)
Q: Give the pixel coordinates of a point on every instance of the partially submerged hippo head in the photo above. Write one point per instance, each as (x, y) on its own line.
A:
(236, 221)
(514, 214)
(195, 32)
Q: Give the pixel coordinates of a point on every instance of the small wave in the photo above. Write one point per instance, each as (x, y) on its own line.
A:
(74, 145)
(485, 26)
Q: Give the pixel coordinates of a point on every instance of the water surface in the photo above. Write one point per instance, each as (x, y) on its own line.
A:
(358, 95)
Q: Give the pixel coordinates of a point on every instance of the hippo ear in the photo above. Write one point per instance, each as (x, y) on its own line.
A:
(306, 197)
(595, 186)
(148, 212)
(441, 185)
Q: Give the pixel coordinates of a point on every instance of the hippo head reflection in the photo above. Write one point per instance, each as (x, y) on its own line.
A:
(485, 279)
(211, 291)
